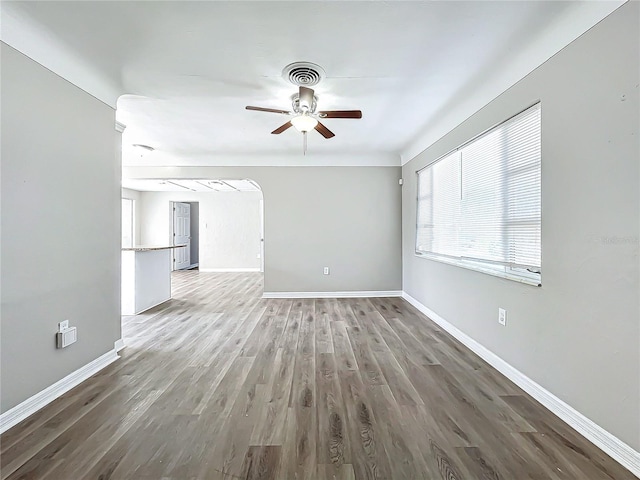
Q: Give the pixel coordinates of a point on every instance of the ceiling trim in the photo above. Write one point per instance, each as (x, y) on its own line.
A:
(564, 30)
(163, 159)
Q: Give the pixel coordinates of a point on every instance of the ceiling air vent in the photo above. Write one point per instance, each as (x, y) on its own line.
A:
(303, 74)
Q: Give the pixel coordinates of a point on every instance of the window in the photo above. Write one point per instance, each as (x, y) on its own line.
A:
(479, 206)
(127, 222)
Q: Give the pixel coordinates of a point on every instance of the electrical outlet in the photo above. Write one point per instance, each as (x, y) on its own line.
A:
(502, 317)
(326, 270)
(64, 325)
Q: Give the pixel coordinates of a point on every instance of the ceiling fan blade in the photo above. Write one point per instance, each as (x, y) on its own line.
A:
(324, 131)
(282, 128)
(306, 98)
(270, 110)
(340, 114)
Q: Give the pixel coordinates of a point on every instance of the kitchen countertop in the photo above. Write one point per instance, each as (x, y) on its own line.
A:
(143, 248)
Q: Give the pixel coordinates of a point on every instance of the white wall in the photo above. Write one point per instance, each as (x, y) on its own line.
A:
(230, 229)
(346, 218)
(60, 227)
(579, 334)
(135, 196)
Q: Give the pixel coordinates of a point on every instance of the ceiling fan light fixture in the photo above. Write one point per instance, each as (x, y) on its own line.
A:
(142, 150)
(304, 123)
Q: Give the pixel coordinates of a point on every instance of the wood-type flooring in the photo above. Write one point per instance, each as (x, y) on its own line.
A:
(221, 384)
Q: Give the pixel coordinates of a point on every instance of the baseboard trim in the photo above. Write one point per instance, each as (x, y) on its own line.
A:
(353, 294)
(613, 446)
(118, 345)
(32, 404)
(229, 270)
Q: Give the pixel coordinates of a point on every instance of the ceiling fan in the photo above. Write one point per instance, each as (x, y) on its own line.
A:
(305, 115)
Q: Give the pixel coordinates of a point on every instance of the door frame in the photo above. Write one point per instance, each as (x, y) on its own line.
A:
(196, 264)
(262, 232)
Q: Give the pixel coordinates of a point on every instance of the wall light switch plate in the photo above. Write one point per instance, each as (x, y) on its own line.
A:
(326, 270)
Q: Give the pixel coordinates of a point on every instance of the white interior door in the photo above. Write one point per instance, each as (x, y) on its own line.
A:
(181, 235)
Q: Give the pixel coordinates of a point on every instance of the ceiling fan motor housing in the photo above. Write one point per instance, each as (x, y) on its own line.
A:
(299, 107)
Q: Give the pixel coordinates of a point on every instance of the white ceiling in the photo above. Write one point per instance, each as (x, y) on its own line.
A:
(186, 70)
(195, 185)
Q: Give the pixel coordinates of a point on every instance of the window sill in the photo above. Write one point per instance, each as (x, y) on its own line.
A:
(536, 282)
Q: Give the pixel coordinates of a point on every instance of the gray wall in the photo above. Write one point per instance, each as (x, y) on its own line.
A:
(346, 218)
(60, 227)
(578, 335)
(195, 232)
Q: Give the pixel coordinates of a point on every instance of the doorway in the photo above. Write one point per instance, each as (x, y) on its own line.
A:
(185, 225)
(181, 235)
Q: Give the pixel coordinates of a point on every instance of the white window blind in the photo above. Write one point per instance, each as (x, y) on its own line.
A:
(480, 205)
